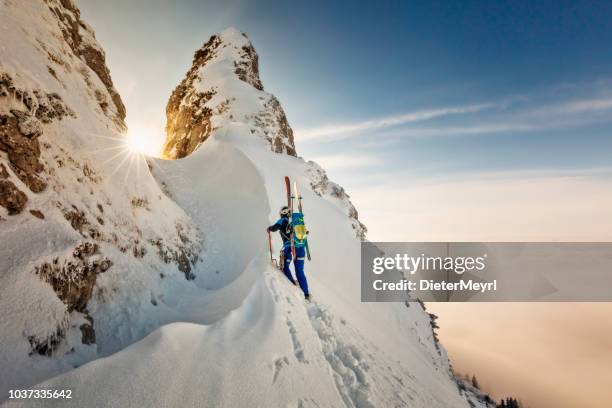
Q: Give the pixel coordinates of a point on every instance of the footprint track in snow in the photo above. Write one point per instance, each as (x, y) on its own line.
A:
(298, 350)
(274, 290)
(307, 403)
(279, 363)
(345, 360)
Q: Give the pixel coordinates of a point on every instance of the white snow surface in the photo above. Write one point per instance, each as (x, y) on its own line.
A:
(239, 334)
(244, 335)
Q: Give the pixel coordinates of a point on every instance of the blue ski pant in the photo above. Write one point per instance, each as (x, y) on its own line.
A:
(298, 264)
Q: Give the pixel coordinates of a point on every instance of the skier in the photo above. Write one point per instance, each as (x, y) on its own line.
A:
(283, 226)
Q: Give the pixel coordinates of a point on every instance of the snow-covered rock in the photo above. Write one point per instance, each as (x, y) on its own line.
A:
(85, 229)
(223, 86)
(163, 266)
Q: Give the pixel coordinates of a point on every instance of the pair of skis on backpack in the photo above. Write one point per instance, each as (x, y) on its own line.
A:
(299, 233)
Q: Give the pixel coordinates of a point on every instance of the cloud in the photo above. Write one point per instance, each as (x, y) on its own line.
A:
(477, 129)
(540, 335)
(346, 161)
(560, 116)
(586, 105)
(387, 121)
(520, 114)
(573, 108)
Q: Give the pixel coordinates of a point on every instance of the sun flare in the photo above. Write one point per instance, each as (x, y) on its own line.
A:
(140, 141)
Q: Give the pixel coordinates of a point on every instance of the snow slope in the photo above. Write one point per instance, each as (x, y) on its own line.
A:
(190, 312)
(252, 340)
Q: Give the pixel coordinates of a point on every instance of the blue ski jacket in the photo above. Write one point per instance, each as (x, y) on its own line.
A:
(283, 226)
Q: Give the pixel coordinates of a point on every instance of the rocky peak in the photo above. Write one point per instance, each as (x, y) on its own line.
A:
(223, 86)
(246, 60)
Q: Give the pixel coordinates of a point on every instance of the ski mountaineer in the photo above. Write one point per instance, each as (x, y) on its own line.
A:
(283, 226)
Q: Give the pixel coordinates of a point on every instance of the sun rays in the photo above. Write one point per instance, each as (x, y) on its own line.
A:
(140, 140)
(121, 155)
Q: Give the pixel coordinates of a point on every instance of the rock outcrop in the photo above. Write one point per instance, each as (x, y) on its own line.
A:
(81, 39)
(20, 129)
(223, 72)
(323, 186)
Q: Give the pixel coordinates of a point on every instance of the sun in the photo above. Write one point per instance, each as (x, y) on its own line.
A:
(140, 141)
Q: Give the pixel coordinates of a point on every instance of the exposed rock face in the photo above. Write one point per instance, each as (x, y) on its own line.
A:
(11, 198)
(81, 39)
(184, 257)
(19, 133)
(276, 127)
(38, 214)
(247, 67)
(47, 345)
(224, 71)
(188, 119)
(190, 125)
(73, 279)
(23, 153)
(322, 185)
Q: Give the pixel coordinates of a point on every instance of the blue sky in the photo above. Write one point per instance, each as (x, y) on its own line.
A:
(445, 121)
(334, 63)
(385, 94)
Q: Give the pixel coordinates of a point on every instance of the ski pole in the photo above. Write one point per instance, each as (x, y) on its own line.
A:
(270, 244)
